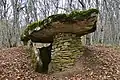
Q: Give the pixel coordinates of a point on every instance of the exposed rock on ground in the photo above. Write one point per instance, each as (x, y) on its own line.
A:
(98, 63)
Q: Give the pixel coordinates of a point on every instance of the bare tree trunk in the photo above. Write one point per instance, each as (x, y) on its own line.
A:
(16, 27)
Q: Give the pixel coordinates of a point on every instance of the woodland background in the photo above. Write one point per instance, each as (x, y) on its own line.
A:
(15, 15)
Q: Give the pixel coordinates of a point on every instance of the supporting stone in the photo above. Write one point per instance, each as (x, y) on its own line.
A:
(66, 48)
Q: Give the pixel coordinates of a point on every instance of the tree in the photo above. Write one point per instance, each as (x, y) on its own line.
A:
(20, 13)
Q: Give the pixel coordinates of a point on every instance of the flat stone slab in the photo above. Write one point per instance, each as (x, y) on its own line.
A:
(80, 23)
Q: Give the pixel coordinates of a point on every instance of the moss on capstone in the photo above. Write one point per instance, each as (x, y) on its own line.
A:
(25, 35)
(63, 18)
(80, 15)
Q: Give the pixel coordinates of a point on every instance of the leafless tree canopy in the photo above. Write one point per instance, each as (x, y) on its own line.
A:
(15, 15)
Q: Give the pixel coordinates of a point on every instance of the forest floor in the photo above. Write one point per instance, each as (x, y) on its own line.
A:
(97, 63)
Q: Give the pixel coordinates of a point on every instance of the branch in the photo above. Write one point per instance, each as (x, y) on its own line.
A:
(82, 4)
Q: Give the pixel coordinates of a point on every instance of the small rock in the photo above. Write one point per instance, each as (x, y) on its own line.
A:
(66, 43)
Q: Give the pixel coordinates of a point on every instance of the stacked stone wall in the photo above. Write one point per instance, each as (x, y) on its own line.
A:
(66, 49)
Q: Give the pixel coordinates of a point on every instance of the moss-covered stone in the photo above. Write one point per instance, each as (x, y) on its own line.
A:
(25, 35)
(80, 15)
(34, 62)
(62, 18)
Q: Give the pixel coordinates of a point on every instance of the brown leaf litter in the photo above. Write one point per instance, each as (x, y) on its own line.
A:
(97, 63)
